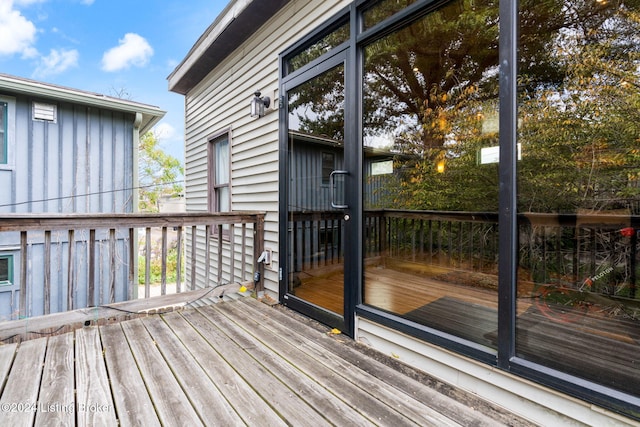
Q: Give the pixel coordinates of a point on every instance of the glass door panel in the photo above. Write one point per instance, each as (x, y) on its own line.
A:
(315, 193)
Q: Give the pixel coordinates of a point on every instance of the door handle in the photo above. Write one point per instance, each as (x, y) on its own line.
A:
(332, 188)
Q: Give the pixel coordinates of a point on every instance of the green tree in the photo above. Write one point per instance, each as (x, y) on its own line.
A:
(160, 174)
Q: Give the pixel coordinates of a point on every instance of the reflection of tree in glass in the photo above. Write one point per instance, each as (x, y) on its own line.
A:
(431, 90)
(317, 106)
(580, 132)
(319, 48)
(383, 10)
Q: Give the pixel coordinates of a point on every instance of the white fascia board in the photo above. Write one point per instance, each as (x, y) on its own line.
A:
(150, 114)
(226, 17)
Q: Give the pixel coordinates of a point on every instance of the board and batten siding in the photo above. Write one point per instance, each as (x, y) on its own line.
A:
(80, 163)
(221, 101)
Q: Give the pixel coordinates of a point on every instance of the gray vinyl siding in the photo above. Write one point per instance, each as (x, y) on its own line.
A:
(221, 101)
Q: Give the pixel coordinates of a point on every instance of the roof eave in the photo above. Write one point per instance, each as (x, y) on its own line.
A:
(235, 24)
(150, 113)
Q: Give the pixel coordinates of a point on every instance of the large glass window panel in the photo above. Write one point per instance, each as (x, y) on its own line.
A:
(430, 100)
(579, 189)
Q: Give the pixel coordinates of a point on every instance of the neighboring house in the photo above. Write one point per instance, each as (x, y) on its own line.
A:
(171, 204)
(387, 157)
(63, 151)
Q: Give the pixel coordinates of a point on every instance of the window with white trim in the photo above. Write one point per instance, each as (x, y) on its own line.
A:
(6, 270)
(219, 182)
(7, 131)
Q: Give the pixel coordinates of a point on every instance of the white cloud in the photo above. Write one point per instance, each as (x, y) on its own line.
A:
(16, 32)
(170, 139)
(87, 2)
(56, 62)
(27, 2)
(132, 50)
(165, 132)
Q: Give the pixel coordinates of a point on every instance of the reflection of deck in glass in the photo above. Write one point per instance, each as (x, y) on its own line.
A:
(440, 270)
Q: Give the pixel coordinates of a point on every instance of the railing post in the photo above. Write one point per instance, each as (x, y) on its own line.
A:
(232, 253)
(179, 262)
(207, 250)
(632, 265)
(163, 269)
(220, 249)
(147, 263)
(47, 272)
(133, 280)
(92, 268)
(258, 248)
(71, 269)
(243, 260)
(194, 231)
(112, 265)
(22, 309)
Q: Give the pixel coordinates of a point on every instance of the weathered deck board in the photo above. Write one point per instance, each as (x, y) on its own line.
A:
(7, 352)
(56, 398)
(132, 403)
(94, 405)
(284, 400)
(239, 363)
(21, 390)
(201, 391)
(236, 390)
(439, 404)
(295, 372)
(172, 405)
(351, 385)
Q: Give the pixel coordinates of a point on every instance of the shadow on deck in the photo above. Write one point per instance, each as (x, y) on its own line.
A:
(237, 362)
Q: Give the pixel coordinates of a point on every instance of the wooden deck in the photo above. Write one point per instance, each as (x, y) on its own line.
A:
(233, 363)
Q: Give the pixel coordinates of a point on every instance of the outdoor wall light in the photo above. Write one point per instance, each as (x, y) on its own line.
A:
(258, 104)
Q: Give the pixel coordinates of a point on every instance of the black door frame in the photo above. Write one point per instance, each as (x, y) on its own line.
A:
(352, 250)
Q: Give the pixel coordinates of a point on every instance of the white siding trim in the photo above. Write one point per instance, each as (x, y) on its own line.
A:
(527, 399)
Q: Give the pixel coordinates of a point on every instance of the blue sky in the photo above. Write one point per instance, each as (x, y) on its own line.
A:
(113, 47)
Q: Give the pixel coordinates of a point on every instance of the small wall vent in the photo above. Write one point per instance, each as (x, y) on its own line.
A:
(45, 112)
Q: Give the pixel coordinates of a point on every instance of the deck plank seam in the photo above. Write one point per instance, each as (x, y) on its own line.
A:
(354, 358)
(342, 370)
(240, 390)
(162, 334)
(294, 377)
(268, 386)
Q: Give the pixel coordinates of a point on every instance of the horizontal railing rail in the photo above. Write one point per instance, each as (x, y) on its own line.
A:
(567, 247)
(69, 261)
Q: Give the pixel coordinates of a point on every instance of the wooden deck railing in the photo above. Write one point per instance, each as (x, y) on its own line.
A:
(567, 247)
(101, 266)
